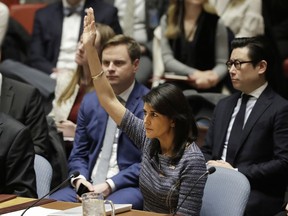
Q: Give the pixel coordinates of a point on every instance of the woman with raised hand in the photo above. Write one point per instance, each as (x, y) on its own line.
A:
(171, 161)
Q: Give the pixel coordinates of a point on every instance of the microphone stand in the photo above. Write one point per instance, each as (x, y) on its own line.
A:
(209, 171)
(73, 175)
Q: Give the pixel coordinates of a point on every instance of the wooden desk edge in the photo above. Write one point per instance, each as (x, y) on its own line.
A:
(21, 203)
(66, 205)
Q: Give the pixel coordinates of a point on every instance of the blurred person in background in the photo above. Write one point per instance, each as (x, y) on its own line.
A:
(57, 29)
(4, 18)
(195, 43)
(243, 17)
(17, 158)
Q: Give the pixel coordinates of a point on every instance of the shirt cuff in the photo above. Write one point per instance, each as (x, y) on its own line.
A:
(78, 177)
(111, 184)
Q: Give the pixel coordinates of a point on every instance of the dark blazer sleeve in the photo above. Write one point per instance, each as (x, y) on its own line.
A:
(17, 159)
(24, 103)
(36, 120)
(128, 177)
(209, 148)
(46, 38)
(268, 141)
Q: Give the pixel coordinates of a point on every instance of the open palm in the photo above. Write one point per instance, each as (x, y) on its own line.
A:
(89, 31)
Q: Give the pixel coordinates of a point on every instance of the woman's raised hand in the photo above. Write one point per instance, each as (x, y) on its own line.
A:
(89, 31)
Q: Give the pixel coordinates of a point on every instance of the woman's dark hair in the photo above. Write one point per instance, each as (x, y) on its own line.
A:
(168, 100)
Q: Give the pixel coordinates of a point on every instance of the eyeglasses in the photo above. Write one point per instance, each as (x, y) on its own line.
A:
(237, 64)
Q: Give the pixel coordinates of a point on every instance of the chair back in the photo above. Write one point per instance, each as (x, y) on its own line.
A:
(43, 171)
(226, 193)
(10, 2)
(24, 14)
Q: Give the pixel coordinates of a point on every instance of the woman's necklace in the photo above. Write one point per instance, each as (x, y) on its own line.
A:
(190, 27)
(166, 154)
(190, 34)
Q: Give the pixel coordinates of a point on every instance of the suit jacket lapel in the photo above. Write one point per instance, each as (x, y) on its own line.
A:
(259, 108)
(1, 125)
(7, 96)
(262, 103)
(132, 101)
(224, 121)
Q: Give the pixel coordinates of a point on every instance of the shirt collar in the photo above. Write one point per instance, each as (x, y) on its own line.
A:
(125, 95)
(66, 4)
(257, 92)
(67, 8)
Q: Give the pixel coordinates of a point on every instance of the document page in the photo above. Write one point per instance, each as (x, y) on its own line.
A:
(77, 211)
(32, 212)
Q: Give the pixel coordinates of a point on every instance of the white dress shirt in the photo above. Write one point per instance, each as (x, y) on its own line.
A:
(69, 40)
(140, 34)
(250, 104)
(4, 17)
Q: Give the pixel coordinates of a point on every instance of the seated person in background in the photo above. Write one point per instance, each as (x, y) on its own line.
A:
(171, 160)
(276, 28)
(276, 24)
(120, 181)
(56, 33)
(194, 43)
(4, 17)
(71, 88)
(14, 38)
(257, 143)
(138, 19)
(16, 159)
(243, 17)
(24, 103)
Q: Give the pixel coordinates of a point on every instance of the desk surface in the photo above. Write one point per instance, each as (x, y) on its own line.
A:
(67, 205)
(22, 203)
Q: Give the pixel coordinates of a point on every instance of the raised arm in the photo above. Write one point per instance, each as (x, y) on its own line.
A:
(103, 88)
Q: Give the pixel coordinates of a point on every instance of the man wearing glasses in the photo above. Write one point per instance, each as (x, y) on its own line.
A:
(249, 129)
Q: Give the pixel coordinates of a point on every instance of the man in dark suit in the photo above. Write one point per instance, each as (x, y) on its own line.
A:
(260, 150)
(16, 159)
(56, 32)
(24, 103)
(120, 60)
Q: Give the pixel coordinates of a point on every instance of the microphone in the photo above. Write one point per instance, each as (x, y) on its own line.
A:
(208, 172)
(73, 175)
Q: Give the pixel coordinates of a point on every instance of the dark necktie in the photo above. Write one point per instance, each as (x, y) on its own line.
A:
(236, 132)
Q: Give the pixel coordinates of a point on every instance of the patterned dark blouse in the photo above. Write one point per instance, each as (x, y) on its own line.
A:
(163, 185)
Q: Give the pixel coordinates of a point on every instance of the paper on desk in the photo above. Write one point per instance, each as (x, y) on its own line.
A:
(77, 211)
(68, 138)
(33, 211)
